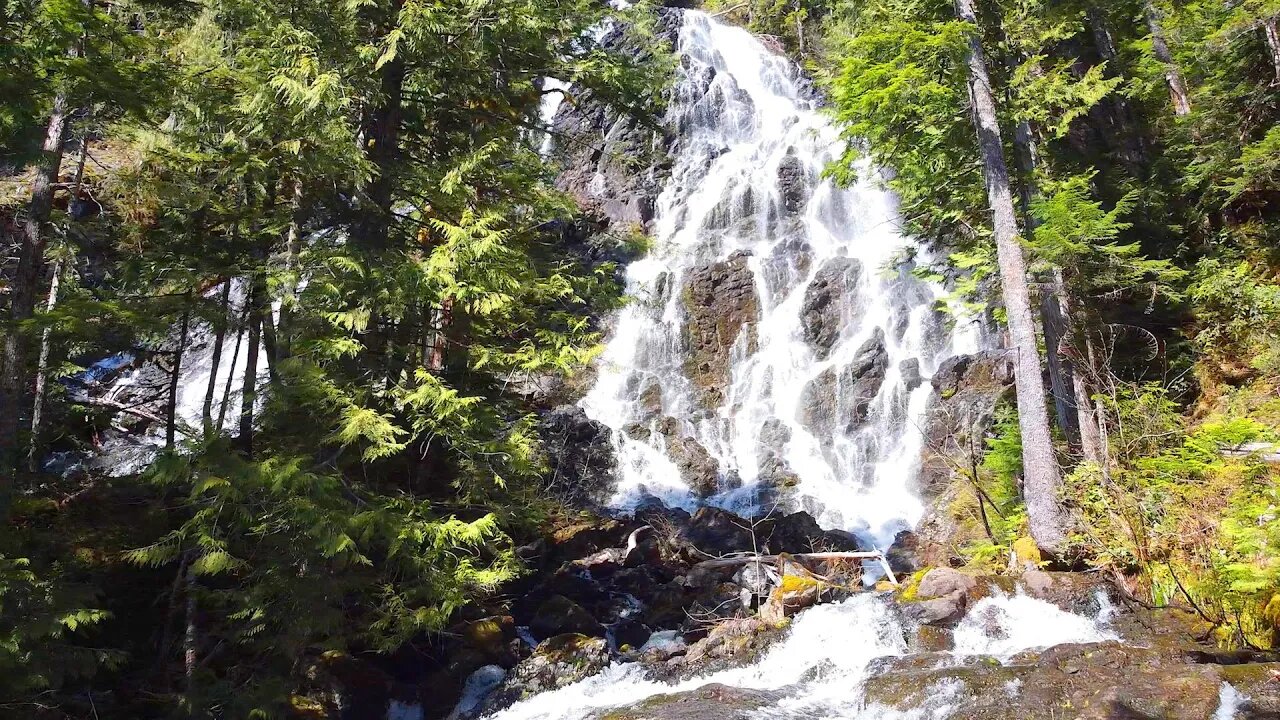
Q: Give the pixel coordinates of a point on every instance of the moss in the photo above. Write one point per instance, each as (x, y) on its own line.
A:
(1026, 551)
(910, 588)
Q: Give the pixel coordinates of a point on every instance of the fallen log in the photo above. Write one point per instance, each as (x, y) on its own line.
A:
(715, 563)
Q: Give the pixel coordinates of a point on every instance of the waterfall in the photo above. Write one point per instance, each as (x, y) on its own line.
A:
(822, 382)
(825, 341)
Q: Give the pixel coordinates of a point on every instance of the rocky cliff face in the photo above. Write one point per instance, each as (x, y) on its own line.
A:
(723, 309)
(614, 163)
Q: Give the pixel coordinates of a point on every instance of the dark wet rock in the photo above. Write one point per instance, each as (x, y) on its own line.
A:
(709, 702)
(602, 564)
(631, 633)
(901, 555)
(829, 302)
(643, 548)
(910, 371)
(723, 309)
(557, 662)
(838, 401)
(714, 532)
(582, 462)
(558, 615)
(793, 183)
(698, 469)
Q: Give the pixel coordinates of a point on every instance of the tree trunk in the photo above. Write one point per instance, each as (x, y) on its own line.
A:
(293, 248)
(1172, 75)
(382, 140)
(249, 390)
(231, 373)
(1052, 320)
(1042, 480)
(1272, 33)
(171, 412)
(42, 371)
(14, 379)
(189, 636)
(219, 338)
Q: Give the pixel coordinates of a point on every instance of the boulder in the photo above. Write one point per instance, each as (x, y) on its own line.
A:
(729, 643)
(829, 303)
(942, 597)
(697, 468)
(631, 633)
(708, 702)
(723, 309)
(580, 454)
(555, 663)
(793, 183)
(558, 615)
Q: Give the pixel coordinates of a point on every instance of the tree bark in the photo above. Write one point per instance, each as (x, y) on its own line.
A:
(219, 338)
(249, 389)
(1172, 74)
(14, 378)
(42, 372)
(1042, 480)
(231, 373)
(1052, 320)
(171, 412)
(1272, 33)
(382, 143)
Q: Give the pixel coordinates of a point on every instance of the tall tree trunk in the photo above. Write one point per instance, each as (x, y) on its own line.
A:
(189, 635)
(249, 389)
(1052, 320)
(231, 373)
(14, 378)
(171, 411)
(42, 371)
(219, 338)
(51, 301)
(293, 248)
(1042, 480)
(1272, 33)
(1117, 111)
(382, 142)
(1172, 74)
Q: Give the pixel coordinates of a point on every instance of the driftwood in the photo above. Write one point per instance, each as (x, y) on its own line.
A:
(773, 559)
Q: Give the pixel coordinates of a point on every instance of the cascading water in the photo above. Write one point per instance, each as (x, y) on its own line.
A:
(746, 121)
(747, 189)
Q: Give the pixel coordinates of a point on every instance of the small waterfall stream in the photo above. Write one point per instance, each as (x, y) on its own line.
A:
(825, 374)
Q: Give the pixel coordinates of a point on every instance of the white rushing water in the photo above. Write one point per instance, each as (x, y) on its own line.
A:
(744, 115)
(818, 670)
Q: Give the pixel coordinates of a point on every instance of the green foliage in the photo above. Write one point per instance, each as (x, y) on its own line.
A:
(43, 624)
(1237, 311)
